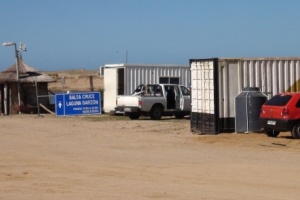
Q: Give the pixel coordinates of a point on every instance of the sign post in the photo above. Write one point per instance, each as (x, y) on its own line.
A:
(87, 103)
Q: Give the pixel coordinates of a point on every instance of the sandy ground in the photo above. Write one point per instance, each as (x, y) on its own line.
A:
(105, 157)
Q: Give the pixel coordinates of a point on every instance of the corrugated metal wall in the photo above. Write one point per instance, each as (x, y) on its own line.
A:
(271, 75)
(136, 75)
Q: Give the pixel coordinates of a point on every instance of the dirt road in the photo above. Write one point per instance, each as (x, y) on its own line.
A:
(101, 157)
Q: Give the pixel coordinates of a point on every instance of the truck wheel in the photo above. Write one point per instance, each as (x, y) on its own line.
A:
(271, 133)
(155, 113)
(296, 131)
(134, 116)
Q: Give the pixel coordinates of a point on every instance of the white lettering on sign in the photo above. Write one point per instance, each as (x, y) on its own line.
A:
(88, 96)
(74, 96)
(90, 102)
(73, 103)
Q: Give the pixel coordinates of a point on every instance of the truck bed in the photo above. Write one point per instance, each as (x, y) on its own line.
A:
(130, 101)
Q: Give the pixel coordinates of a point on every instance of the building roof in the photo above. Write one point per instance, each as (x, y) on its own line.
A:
(26, 74)
(123, 65)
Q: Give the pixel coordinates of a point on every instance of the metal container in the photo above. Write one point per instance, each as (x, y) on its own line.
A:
(217, 81)
(122, 79)
(247, 109)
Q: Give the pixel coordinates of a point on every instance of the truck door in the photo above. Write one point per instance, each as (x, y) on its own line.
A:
(171, 97)
(185, 103)
(178, 98)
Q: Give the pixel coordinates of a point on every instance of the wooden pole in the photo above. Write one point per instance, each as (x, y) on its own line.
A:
(49, 111)
(91, 83)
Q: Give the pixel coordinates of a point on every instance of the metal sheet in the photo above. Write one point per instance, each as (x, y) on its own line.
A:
(136, 75)
(271, 75)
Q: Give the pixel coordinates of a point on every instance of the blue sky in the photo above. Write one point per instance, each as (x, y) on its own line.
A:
(75, 34)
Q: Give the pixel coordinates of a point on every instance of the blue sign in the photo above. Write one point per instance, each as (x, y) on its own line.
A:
(87, 103)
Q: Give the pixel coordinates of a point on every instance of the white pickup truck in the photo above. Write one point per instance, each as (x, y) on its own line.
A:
(155, 100)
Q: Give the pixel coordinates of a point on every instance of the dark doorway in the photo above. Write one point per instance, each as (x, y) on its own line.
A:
(121, 81)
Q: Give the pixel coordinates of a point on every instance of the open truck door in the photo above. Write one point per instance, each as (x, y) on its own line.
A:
(178, 98)
(185, 99)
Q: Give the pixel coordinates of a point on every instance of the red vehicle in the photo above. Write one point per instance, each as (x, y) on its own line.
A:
(281, 113)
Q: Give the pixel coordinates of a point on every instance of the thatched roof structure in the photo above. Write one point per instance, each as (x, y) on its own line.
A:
(26, 74)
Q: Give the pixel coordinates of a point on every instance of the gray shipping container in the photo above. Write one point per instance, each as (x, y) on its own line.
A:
(123, 79)
(216, 82)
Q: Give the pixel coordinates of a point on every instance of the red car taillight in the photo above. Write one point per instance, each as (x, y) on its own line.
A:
(140, 102)
(285, 112)
(262, 111)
